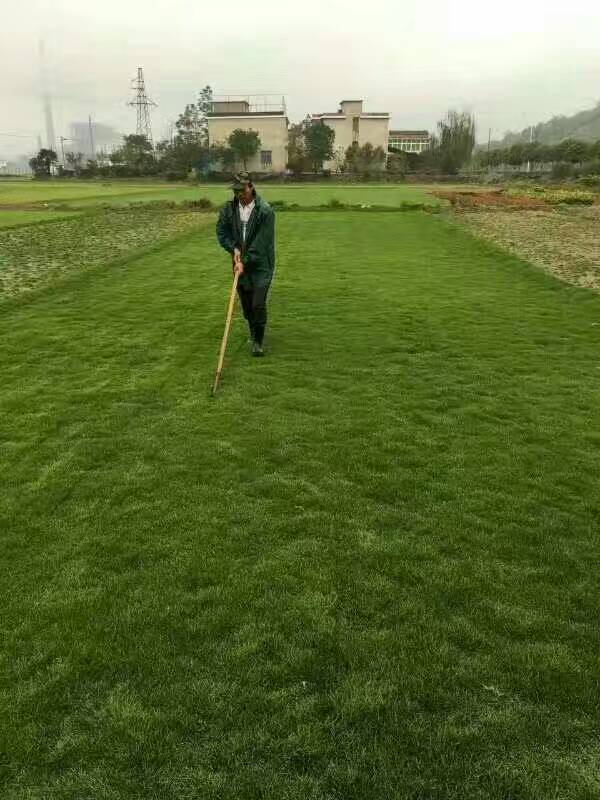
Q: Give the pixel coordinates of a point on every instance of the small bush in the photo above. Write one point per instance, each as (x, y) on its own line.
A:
(201, 204)
(554, 197)
(590, 180)
(569, 196)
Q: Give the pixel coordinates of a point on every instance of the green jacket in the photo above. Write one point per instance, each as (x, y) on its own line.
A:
(258, 251)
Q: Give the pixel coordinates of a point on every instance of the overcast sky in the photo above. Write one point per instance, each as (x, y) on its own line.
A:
(513, 63)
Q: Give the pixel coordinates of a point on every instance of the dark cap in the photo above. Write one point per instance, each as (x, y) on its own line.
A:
(240, 181)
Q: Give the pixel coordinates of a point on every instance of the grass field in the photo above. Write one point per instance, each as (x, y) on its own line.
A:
(11, 219)
(368, 569)
(84, 193)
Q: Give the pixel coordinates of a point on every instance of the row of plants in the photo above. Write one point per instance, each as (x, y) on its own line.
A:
(569, 154)
(553, 196)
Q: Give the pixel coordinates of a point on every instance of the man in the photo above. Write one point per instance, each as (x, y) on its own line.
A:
(246, 229)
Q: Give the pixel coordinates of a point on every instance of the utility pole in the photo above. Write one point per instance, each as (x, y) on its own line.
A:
(530, 142)
(91, 138)
(488, 150)
(142, 103)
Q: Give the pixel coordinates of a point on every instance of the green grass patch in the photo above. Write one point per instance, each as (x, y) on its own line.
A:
(13, 219)
(41, 255)
(56, 190)
(366, 570)
(82, 193)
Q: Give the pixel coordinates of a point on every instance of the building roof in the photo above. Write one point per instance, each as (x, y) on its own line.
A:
(245, 114)
(343, 116)
(411, 134)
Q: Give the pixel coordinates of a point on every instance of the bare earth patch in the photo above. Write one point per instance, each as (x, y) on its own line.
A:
(464, 200)
(565, 242)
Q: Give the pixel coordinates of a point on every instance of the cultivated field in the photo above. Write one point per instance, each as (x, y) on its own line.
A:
(368, 569)
(82, 194)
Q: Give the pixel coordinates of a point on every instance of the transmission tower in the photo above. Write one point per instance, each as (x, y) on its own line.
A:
(142, 103)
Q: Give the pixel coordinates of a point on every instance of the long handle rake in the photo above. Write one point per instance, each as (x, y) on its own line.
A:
(226, 332)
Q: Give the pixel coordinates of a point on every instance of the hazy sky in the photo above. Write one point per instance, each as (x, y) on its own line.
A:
(513, 63)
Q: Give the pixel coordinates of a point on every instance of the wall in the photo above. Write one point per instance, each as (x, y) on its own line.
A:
(272, 131)
(375, 131)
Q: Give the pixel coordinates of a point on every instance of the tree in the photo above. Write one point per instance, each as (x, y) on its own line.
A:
(576, 151)
(192, 125)
(188, 124)
(179, 157)
(216, 158)
(298, 160)
(364, 160)
(75, 162)
(91, 168)
(319, 138)
(244, 144)
(515, 155)
(397, 163)
(42, 163)
(135, 155)
(455, 141)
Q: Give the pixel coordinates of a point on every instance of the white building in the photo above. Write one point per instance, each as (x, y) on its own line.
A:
(409, 141)
(253, 113)
(352, 124)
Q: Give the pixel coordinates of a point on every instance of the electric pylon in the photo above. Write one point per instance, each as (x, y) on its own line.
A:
(142, 103)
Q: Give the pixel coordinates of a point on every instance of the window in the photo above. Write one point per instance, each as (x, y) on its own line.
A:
(355, 124)
(266, 158)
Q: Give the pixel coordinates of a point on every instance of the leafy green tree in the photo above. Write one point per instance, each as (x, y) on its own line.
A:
(75, 162)
(319, 138)
(515, 155)
(216, 158)
(244, 144)
(41, 164)
(545, 153)
(178, 158)
(192, 124)
(455, 141)
(91, 169)
(297, 156)
(577, 151)
(135, 155)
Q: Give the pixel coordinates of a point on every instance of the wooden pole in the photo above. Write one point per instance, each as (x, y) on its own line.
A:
(226, 333)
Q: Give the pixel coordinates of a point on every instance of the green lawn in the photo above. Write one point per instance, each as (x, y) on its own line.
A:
(368, 569)
(82, 193)
(11, 219)
(59, 190)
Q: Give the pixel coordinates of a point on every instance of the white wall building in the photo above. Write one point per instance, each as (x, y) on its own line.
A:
(269, 120)
(352, 124)
(409, 141)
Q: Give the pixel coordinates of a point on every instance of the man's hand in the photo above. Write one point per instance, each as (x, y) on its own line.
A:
(237, 263)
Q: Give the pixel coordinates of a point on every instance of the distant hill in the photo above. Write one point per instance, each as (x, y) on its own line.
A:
(584, 125)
